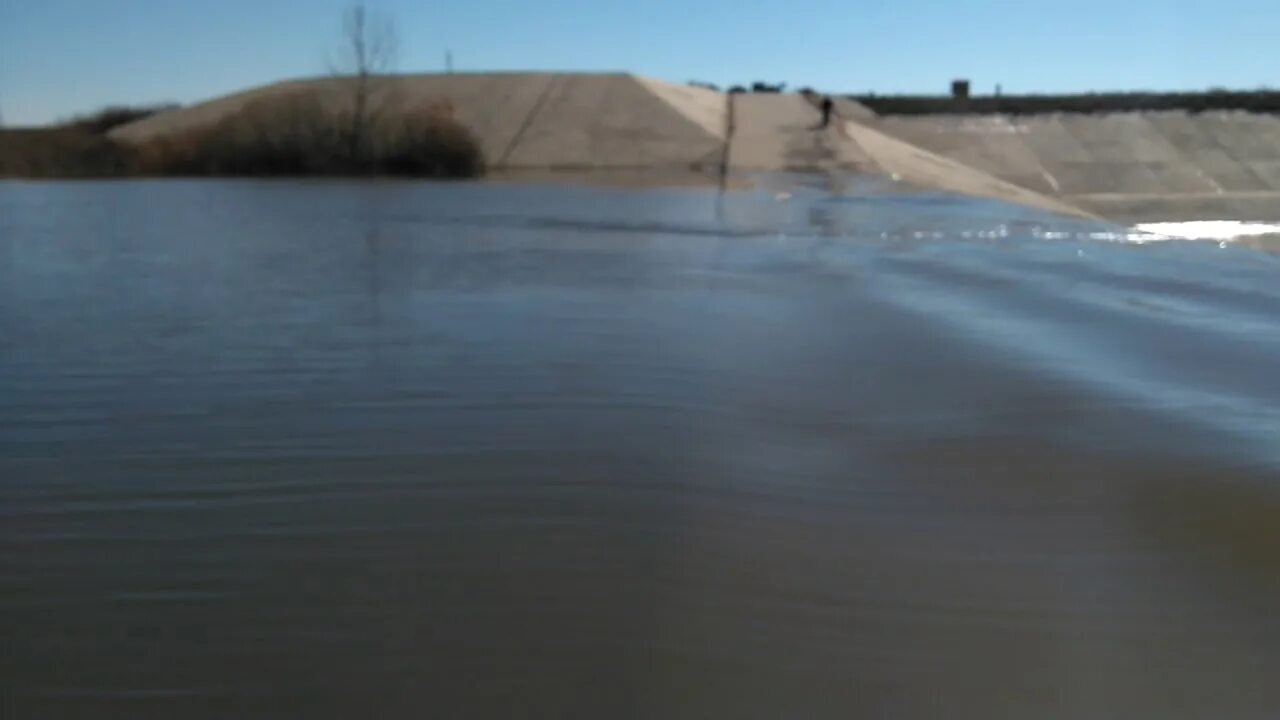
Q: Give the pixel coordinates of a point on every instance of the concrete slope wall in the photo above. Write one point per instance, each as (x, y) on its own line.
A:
(851, 109)
(707, 109)
(210, 111)
(574, 122)
(522, 120)
(911, 164)
(606, 122)
(493, 106)
(1129, 165)
(579, 122)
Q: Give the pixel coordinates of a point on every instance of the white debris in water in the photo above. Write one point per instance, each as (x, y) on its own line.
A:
(1220, 230)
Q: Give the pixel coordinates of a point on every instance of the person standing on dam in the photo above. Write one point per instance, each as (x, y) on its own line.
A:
(827, 107)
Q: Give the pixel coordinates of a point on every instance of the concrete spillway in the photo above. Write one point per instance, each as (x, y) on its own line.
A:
(781, 132)
(1161, 166)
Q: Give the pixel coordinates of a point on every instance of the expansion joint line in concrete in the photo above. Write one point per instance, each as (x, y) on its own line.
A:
(552, 83)
(1044, 171)
(728, 139)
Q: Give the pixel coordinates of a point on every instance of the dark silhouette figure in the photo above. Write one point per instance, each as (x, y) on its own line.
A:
(827, 107)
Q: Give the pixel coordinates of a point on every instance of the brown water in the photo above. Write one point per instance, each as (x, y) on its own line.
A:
(343, 450)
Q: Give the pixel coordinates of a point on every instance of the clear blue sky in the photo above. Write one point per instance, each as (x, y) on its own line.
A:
(59, 57)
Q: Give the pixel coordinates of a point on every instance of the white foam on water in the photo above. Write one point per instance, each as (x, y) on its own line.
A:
(1219, 230)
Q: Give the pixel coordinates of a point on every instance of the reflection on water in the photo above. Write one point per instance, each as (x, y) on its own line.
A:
(333, 450)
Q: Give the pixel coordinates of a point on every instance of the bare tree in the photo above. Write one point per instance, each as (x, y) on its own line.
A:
(370, 49)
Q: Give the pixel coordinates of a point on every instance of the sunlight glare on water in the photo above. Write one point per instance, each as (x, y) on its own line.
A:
(1222, 230)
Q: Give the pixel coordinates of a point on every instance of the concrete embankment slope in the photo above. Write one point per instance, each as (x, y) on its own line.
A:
(607, 122)
(603, 125)
(1131, 167)
(538, 123)
(523, 121)
(1126, 166)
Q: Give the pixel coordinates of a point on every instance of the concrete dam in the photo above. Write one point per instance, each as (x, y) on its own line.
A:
(1127, 167)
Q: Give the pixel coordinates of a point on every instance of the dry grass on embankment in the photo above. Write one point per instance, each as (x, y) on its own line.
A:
(287, 136)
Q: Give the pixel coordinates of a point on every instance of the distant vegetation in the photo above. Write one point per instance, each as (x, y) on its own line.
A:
(298, 136)
(290, 135)
(1260, 101)
(366, 134)
(108, 118)
(61, 152)
(756, 87)
(75, 148)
